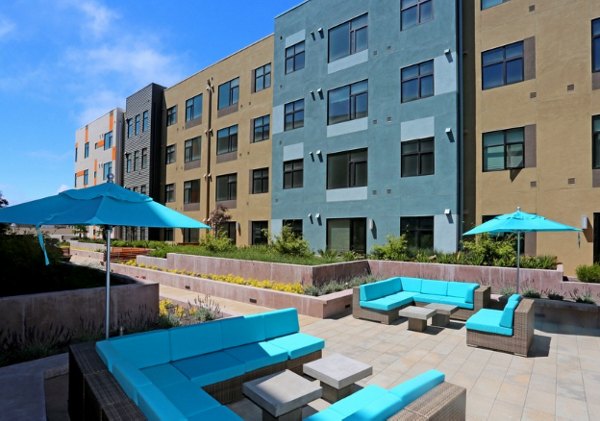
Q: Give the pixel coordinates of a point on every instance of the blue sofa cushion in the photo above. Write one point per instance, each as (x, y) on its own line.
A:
(416, 387)
(443, 299)
(164, 375)
(298, 344)
(210, 368)
(515, 297)
(189, 398)
(107, 353)
(380, 289)
(390, 302)
(487, 320)
(156, 406)
(257, 355)
(508, 313)
(144, 349)
(280, 322)
(350, 404)
(380, 409)
(130, 378)
(198, 339)
(464, 290)
(221, 413)
(434, 287)
(411, 284)
(236, 331)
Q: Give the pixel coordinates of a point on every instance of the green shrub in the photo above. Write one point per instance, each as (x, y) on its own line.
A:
(588, 273)
(507, 291)
(553, 295)
(217, 243)
(288, 243)
(585, 297)
(396, 248)
(539, 262)
(491, 251)
(531, 293)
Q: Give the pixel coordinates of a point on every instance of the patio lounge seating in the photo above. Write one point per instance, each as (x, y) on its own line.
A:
(190, 372)
(380, 301)
(425, 397)
(509, 330)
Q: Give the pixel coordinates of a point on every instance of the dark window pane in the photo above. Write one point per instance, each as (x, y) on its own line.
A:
(596, 55)
(337, 171)
(339, 42)
(514, 51)
(410, 72)
(410, 17)
(409, 165)
(492, 76)
(426, 86)
(362, 39)
(426, 11)
(514, 71)
(493, 56)
(427, 166)
(514, 157)
(410, 90)
(299, 61)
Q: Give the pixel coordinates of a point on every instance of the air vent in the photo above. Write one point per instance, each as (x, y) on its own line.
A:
(571, 181)
(570, 87)
(532, 8)
(532, 95)
(374, 192)
(533, 184)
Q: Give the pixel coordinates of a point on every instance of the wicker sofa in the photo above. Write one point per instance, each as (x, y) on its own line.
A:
(380, 301)
(191, 372)
(424, 397)
(508, 330)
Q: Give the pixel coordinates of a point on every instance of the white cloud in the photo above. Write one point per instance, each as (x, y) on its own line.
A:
(6, 27)
(97, 103)
(97, 18)
(62, 188)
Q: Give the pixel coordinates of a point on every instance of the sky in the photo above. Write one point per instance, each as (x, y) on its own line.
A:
(64, 63)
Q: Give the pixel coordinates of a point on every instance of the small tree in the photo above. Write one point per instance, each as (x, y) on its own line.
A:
(290, 244)
(80, 231)
(217, 218)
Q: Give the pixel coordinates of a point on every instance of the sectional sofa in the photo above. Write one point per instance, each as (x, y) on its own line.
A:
(191, 372)
(380, 301)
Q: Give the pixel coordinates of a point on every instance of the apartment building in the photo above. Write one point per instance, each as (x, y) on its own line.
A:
(537, 89)
(217, 144)
(142, 164)
(366, 127)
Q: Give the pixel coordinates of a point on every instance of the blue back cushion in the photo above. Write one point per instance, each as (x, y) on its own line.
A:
(418, 386)
(280, 322)
(380, 289)
(236, 331)
(515, 297)
(464, 290)
(107, 353)
(198, 339)
(411, 284)
(508, 313)
(434, 287)
(144, 349)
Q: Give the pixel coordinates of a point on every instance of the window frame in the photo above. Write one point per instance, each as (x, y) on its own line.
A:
(505, 151)
(230, 90)
(292, 57)
(260, 179)
(170, 151)
(128, 163)
(294, 224)
(191, 105)
(419, 78)
(354, 158)
(261, 128)
(86, 150)
(418, 5)
(231, 186)
(170, 193)
(108, 140)
(191, 195)
(257, 232)
(136, 157)
(145, 121)
(354, 225)
(262, 81)
(351, 100)
(136, 127)
(498, 3)
(86, 177)
(295, 112)
(595, 142)
(419, 230)
(418, 154)
(105, 166)
(228, 137)
(352, 37)
(171, 115)
(144, 159)
(596, 41)
(188, 149)
(129, 127)
(504, 63)
(293, 172)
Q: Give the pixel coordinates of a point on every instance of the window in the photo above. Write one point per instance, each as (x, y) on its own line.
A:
(191, 235)
(415, 12)
(193, 108)
(136, 157)
(418, 231)
(145, 121)
(143, 189)
(129, 127)
(191, 191)
(85, 177)
(348, 38)
(170, 154)
(347, 235)
(417, 81)
(136, 128)
(347, 169)
(106, 170)
(75, 183)
(293, 174)
(172, 115)
(260, 232)
(229, 93)
(417, 157)
(262, 77)
(134, 189)
(227, 187)
(294, 58)
(502, 65)
(260, 181)
(503, 149)
(192, 150)
(486, 4)
(348, 102)
(262, 126)
(294, 114)
(86, 149)
(596, 45)
(168, 234)
(75, 153)
(227, 140)
(128, 163)
(108, 138)
(144, 158)
(596, 142)
(228, 229)
(295, 225)
(169, 193)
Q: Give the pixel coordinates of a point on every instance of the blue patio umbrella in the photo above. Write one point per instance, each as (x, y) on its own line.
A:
(519, 222)
(106, 205)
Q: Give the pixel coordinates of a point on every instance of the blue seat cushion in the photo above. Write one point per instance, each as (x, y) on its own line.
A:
(508, 313)
(236, 331)
(487, 320)
(210, 368)
(443, 299)
(380, 289)
(189, 398)
(515, 297)
(434, 287)
(380, 409)
(198, 339)
(358, 400)
(298, 344)
(221, 413)
(416, 387)
(130, 378)
(327, 414)
(144, 349)
(164, 375)
(156, 406)
(257, 355)
(464, 290)
(107, 353)
(390, 302)
(411, 284)
(280, 322)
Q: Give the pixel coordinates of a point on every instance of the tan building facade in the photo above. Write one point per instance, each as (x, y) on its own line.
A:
(535, 98)
(217, 144)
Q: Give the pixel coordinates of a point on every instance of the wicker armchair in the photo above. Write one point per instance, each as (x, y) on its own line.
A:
(519, 342)
(446, 402)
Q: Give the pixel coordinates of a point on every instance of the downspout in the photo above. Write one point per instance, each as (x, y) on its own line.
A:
(461, 135)
(208, 176)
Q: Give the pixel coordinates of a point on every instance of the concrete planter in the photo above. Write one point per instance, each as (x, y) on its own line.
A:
(325, 306)
(568, 313)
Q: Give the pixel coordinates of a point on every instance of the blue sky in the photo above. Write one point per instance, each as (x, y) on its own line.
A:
(66, 62)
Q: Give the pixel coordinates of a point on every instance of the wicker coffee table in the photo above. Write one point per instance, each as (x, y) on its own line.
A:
(443, 313)
(417, 317)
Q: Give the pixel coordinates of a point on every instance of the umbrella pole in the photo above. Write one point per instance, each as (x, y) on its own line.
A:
(518, 257)
(108, 232)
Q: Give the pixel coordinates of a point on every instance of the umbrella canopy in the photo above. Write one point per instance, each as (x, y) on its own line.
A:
(519, 222)
(107, 205)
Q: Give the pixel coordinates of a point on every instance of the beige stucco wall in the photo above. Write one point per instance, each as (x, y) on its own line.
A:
(562, 117)
(249, 207)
